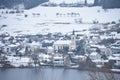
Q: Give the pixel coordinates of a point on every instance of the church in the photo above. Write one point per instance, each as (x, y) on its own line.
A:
(61, 44)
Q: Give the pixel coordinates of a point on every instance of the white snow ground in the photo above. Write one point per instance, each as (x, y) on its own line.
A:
(47, 21)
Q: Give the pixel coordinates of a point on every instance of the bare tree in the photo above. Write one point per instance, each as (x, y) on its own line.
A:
(95, 75)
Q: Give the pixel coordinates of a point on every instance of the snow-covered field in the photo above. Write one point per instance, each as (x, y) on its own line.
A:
(44, 19)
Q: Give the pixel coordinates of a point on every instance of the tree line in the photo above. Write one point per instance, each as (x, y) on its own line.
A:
(27, 3)
(106, 4)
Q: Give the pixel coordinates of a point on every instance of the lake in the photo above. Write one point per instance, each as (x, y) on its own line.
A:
(45, 73)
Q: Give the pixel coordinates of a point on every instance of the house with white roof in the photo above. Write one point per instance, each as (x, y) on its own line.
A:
(80, 58)
(116, 47)
(116, 59)
(95, 47)
(34, 45)
(58, 60)
(95, 56)
(61, 44)
(97, 59)
(44, 57)
(50, 50)
(18, 61)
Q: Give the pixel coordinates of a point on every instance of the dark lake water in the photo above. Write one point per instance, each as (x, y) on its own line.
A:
(46, 73)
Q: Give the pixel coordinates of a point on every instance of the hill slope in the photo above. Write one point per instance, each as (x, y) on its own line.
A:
(54, 19)
(27, 3)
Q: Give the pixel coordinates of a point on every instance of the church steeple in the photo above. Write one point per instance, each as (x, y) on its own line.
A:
(73, 33)
(73, 40)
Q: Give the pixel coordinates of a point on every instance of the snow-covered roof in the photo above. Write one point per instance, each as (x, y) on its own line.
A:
(116, 55)
(35, 43)
(12, 45)
(61, 42)
(48, 41)
(6, 38)
(44, 56)
(114, 33)
(93, 54)
(82, 33)
(99, 60)
(98, 46)
(117, 42)
(115, 47)
(117, 36)
(79, 56)
(114, 58)
(1, 44)
(105, 37)
(58, 57)
(50, 48)
(18, 59)
(22, 50)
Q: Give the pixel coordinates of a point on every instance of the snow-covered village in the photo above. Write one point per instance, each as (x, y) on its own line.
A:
(59, 34)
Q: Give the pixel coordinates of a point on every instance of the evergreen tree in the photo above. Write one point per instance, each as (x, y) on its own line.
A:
(111, 4)
(85, 2)
(27, 3)
(97, 2)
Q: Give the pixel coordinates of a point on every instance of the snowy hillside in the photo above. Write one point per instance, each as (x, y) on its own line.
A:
(54, 19)
(71, 1)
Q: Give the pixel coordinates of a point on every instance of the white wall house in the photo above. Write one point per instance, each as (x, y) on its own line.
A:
(17, 61)
(60, 44)
(58, 61)
(102, 48)
(116, 47)
(34, 45)
(116, 59)
(95, 56)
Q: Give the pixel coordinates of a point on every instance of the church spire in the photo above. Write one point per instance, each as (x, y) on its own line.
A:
(73, 40)
(73, 33)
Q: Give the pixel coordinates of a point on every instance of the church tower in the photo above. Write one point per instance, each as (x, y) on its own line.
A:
(73, 40)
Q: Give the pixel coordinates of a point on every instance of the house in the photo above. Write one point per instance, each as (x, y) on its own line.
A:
(95, 56)
(115, 58)
(61, 44)
(44, 58)
(7, 40)
(47, 43)
(58, 60)
(98, 48)
(19, 61)
(78, 58)
(10, 49)
(6, 49)
(13, 48)
(1, 45)
(50, 50)
(117, 36)
(96, 39)
(108, 51)
(34, 45)
(116, 47)
(97, 59)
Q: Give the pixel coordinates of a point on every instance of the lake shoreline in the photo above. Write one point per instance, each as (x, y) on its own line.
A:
(83, 69)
